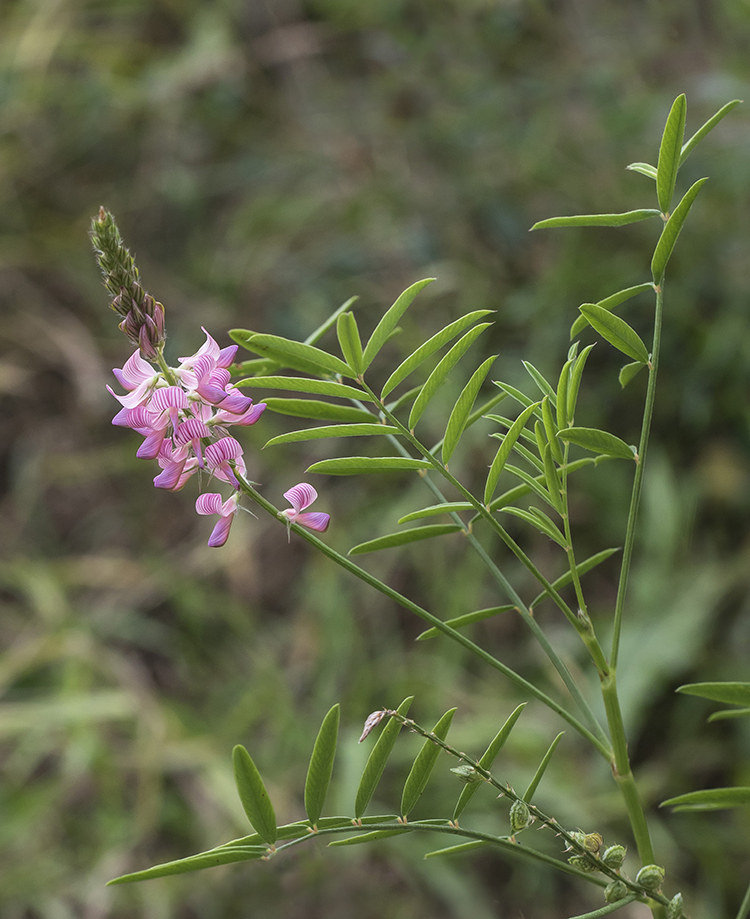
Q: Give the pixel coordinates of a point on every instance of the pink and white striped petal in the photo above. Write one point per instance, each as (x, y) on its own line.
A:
(314, 520)
(211, 503)
(300, 496)
(249, 417)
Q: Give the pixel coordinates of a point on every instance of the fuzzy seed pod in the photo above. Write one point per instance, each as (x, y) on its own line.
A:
(674, 910)
(615, 891)
(579, 837)
(582, 862)
(520, 817)
(467, 774)
(614, 856)
(650, 877)
(592, 842)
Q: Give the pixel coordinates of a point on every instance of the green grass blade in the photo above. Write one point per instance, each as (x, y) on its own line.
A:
(597, 220)
(598, 442)
(350, 342)
(669, 153)
(501, 457)
(211, 859)
(389, 321)
(581, 569)
(534, 784)
(378, 758)
(712, 799)
(459, 417)
(671, 231)
(253, 795)
(358, 465)
(332, 430)
(459, 622)
(321, 766)
(315, 408)
(410, 364)
(303, 384)
(442, 370)
(617, 332)
(294, 354)
(689, 146)
(449, 507)
(423, 765)
(731, 693)
(487, 759)
(415, 534)
(314, 337)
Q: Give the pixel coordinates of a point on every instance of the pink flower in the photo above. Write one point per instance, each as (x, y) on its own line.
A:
(177, 467)
(300, 497)
(220, 454)
(211, 503)
(138, 377)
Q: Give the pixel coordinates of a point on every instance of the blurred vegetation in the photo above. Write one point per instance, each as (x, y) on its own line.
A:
(267, 160)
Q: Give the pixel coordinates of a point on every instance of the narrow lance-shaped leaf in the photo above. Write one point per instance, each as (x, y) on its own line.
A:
(315, 408)
(581, 569)
(563, 385)
(544, 387)
(731, 693)
(535, 485)
(617, 332)
(253, 795)
(550, 429)
(295, 354)
(629, 371)
(669, 152)
(461, 847)
(610, 303)
(534, 784)
(645, 169)
(423, 765)
(539, 521)
(553, 482)
(410, 364)
(461, 410)
(609, 908)
(576, 375)
(487, 759)
(442, 370)
(350, 342)
(332, 430)
(516, 394)
(405, 536)
(321, 766)
(314, 337)
(501, 457)
(597, 220)
(520, 491)
(303, 384)
(389, 321)
(479, 615)
(729, 713)
(671, 231)
(370, 837)
(449, 507)
(689, 146)
(357, 465)
(598, 442)
(710, 799)
(211, 859)
(378, 758)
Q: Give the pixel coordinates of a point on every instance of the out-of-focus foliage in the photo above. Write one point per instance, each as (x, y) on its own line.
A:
(267, 160)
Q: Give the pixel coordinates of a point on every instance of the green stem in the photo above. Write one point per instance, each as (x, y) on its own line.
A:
(165, 368)
(744, 909)
(457, 636)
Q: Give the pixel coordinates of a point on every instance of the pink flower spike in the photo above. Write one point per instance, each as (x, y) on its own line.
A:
(211, 503)
(300, 497)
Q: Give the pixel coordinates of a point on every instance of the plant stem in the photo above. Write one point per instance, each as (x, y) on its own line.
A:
(744, 909)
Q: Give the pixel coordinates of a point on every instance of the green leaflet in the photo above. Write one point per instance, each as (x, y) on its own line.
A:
(688, 146)
(442, 370)
(321, 766)
(576, 375)
(542, 384)
(597, 220)
(501, 457)
(377, 759)
(462, 847)
(539, 521)
(669, 153)
(371, 837)
(403, 399)
(332, 430)
(563, 385)
(404, 536)
(520, 491)
(629, 371)
(459, 622)
(253, 795)
(487, 759)
(507, 423)
(423, 765)
(671, 231)
(731, 693)
(550, 430)
(710, 799)
(350, 342)
(303, 384)
(459, 417)
(356, 465)
(389, 321)
(314, 337)
(609, 908)
(645, 169)
(616, 331)
(581, 569)
(517, 395)
(432, 345)
(294, 354)
(534, 784)
(210, 859)
(532, 482)
(729, 713)
(598, 442)
(450, 507)
(314, 408)
(610, 303)
(553, 482)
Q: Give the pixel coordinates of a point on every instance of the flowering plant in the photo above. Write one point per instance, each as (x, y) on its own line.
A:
(184, 413)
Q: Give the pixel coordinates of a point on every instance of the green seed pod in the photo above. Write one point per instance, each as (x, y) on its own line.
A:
(650, 877)
(582, 862)
(579, 837)
(467, 774)
(592, 842)
(615, 891)
(614, 856)
(520, 817)
(674, 910)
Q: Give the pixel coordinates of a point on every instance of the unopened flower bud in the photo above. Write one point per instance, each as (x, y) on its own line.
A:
(582, 862)
(592, 842)
(578, 837)
(650, 877)
(614, 856)
(467, 774)
(674, 910)
(520, 817)
(615, 891)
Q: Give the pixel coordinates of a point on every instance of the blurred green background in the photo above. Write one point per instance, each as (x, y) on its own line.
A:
(265, 161)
